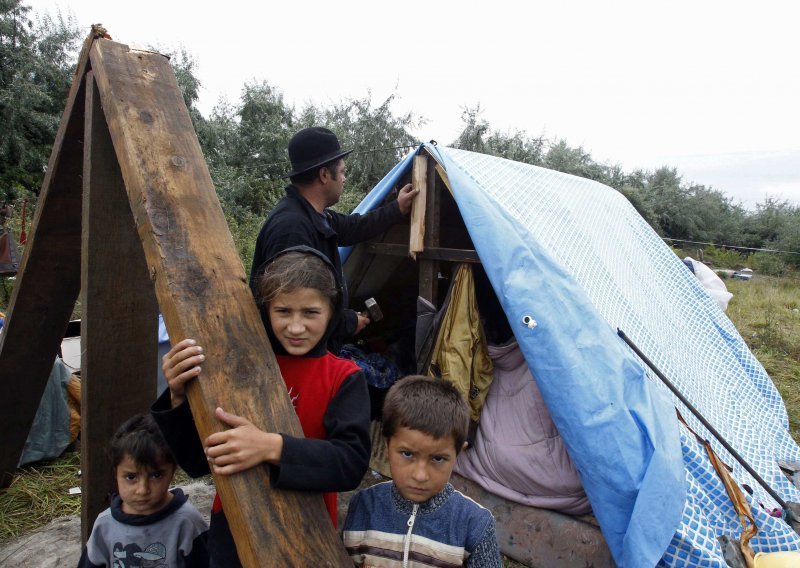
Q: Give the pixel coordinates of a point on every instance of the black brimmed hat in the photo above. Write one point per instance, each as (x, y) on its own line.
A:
(312, 147)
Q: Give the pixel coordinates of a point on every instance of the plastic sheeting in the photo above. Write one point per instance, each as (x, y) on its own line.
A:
(49, 435)
(572, 261)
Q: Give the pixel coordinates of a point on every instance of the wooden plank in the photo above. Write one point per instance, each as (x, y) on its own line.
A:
(429, 269)
(417, 231)
(202, 291)
(437, 253)
(444, 178)
(119, 324)
(47, 283)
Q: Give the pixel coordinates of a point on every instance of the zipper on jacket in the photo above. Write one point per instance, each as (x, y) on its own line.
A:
(407, 543)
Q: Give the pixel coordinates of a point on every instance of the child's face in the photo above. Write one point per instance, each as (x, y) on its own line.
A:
(420, 464)
(299, 319)
(143, 490)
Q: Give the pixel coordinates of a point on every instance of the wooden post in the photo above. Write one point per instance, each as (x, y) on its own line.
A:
(429, 269)
(417, 230)
(199, 281)
(119, 323)
(47, 283)
(202, 289)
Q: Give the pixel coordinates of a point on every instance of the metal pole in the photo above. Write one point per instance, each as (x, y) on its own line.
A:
(705, 422)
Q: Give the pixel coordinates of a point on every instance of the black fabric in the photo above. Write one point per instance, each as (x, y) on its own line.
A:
(221, 547)
(294, 222)
(177, 426)
(339, 462)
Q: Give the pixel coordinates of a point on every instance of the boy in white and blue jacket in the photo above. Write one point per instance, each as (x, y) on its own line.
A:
(418, 518)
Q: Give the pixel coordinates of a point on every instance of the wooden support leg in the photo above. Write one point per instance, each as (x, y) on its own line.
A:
(120, 315)
(202, 291)
(47, 284)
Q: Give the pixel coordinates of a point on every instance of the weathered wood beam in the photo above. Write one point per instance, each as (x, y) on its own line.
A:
(48, 281)
(416, 237)
(434, 253)
(119, 321)
(202, 291)
(429, 269)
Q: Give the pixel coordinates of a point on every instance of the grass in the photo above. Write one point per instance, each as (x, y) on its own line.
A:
(38, 494)
(766, 311)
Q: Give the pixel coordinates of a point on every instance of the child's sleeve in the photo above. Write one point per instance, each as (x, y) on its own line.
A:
(177, 426)
(193, 540)
(84, 561)
(339, 462)
(486, 553)
(95, 548)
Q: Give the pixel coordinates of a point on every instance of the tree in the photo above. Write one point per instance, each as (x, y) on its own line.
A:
(475, 129)
(245, 147)
(477, 136)
(184, 65)
(36, 65)
(378, 137)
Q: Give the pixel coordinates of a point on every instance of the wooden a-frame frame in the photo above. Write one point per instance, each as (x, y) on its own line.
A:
(128, 208)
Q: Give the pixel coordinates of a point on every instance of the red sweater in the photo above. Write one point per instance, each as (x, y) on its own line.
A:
(312, 385)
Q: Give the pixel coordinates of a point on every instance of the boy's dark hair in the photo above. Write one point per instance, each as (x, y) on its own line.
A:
(432, 406)
(140, 438)
(305, 178)
(295, 270)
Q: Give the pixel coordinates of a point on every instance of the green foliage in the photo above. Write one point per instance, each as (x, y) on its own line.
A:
(245, 147)
(477, 136)
(763, 311)
(767, 263)
(378, 137)
(638, 198)
(184, 66)
(518, 146)
(244, 143)
(723, 258)
(36, 66)
(244, 230)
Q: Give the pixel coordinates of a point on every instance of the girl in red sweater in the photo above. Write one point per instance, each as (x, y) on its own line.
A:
(329, 395)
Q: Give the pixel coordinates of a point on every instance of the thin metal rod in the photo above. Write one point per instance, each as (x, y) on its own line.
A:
(705, 422)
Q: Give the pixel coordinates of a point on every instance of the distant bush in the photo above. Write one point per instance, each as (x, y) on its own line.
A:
(244, 230)
(767, 263)
(723, 258)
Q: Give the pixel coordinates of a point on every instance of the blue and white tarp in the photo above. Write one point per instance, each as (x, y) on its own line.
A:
(575, 257)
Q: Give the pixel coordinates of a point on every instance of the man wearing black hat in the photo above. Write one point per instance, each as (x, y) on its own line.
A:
(302, 217)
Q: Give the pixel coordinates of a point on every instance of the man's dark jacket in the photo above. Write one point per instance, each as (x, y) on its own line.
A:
(293, 221)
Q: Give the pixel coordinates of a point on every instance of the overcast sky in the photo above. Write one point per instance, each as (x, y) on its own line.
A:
(709, 87)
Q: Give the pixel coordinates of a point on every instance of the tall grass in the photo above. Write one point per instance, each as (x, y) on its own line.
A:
(766, 311)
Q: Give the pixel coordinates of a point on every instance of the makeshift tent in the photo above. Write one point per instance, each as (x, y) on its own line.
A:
(571, 261)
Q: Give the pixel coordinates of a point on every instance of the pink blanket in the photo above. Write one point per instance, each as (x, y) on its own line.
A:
(518, 453)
